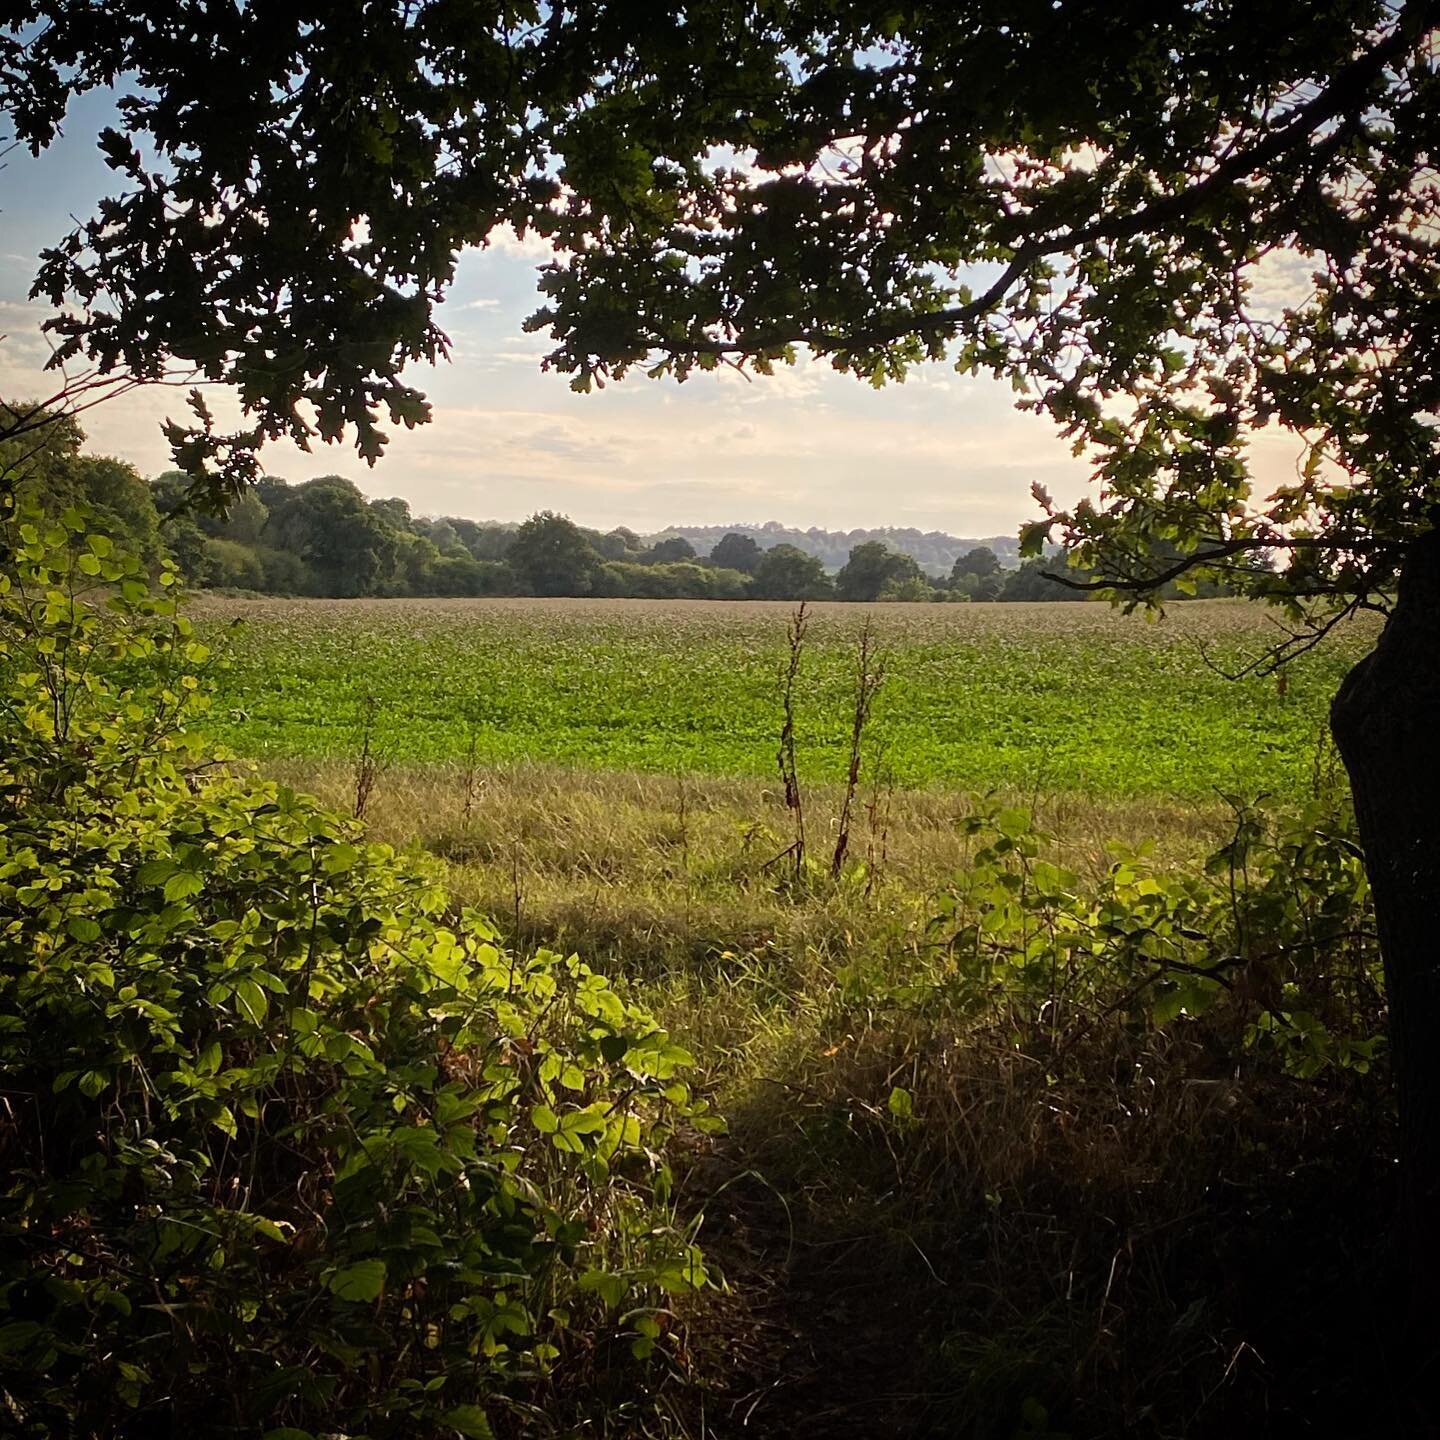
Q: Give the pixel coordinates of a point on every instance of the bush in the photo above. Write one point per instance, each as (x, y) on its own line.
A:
(284, 572)
(285, 1145)
(1274, 942)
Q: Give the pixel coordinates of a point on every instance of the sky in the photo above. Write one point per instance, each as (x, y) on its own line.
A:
(805, 446)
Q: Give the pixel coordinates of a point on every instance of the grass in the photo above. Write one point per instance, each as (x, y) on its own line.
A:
(1103, 1238)
(657, 874)
(1041, 698)
(1123, 1229)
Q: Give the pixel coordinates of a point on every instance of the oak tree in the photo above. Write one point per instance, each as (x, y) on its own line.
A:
(1173, 227)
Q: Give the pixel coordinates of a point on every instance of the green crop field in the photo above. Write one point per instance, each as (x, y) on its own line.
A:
(1051, 697)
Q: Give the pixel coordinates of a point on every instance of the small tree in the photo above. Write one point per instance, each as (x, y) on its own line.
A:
(873, 568)
(669, 551)
(979, 562)
(786, 572)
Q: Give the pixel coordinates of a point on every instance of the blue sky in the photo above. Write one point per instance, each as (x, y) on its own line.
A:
(805, 447)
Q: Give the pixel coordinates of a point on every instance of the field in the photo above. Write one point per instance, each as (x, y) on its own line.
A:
(1040, 698)
(968, 1183)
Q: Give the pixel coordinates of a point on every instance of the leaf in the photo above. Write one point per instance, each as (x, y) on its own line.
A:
(470, 1421)
(182, 885)
(155, 872)
(16, 1335)
(254, 1004)
(362, 1281)
(610, 1287)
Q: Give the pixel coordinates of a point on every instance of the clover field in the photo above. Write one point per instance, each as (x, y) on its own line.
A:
(1069, 698)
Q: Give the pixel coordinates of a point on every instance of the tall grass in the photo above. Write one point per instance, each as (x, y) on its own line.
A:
(943, 1214)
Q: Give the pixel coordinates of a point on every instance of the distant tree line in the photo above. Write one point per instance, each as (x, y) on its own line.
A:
(325, 538)
(933, 550)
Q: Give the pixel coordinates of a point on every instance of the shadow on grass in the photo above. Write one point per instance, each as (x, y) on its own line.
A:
(1030, 1258)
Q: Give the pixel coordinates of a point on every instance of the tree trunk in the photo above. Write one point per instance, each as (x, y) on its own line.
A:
(1386, 722)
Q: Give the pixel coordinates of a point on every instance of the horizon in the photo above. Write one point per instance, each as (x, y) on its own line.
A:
(652, 532)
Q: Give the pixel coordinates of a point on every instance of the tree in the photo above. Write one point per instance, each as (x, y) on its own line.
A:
(871, 569)
(613, 546)
(552, 557)
(346, 544)
(393, 513)
(1038, 579)
(57, 476)
(981, 562)
(788, 573)
(669, 551)
(736, 552)
(1225, 230)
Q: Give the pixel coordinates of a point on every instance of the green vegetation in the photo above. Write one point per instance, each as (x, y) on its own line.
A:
(1043, 698)
(290, 1143)
(306, 1133)
(1047, 1146)
(324, 538)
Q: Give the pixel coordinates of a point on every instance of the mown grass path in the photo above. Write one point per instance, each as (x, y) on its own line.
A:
(1058, 697)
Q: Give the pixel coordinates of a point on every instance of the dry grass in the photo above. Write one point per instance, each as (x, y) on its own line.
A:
(655, 872)
(1143, 1233)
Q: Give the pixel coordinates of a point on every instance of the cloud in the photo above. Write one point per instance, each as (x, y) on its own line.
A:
(803, 446)
(530, 246)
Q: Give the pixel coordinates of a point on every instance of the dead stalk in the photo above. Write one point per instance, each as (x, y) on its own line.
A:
(869, 677)
(785, 756)
(370, 760)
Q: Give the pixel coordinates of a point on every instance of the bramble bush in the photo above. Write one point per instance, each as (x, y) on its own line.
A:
(1275, 935)
(286, 1146)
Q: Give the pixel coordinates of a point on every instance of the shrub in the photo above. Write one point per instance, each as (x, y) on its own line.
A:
(285, 1145)
(1274, 941)
(232, 566)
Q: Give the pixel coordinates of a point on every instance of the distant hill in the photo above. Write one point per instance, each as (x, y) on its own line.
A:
(933, 550)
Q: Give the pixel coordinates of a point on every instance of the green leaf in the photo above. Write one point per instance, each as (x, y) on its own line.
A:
(252, 1001)
(362, 1281)
(470, 1421)
(155, 872)
(182, 885)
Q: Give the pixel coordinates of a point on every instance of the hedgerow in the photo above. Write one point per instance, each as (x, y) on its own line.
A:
(287, 1146)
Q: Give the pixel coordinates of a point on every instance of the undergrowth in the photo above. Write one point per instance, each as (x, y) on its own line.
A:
(289, 1144)
(1105, 1157)
(1029, 1133)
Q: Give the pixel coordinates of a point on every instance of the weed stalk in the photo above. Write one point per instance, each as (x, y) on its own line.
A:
(869, 677)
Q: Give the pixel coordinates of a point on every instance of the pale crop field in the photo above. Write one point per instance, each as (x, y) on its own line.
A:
(1049, 698)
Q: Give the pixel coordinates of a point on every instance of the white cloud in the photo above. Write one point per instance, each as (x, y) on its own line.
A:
(803, 446)
(530, 246)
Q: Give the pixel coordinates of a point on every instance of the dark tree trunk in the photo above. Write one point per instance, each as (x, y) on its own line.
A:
(1386, 722)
